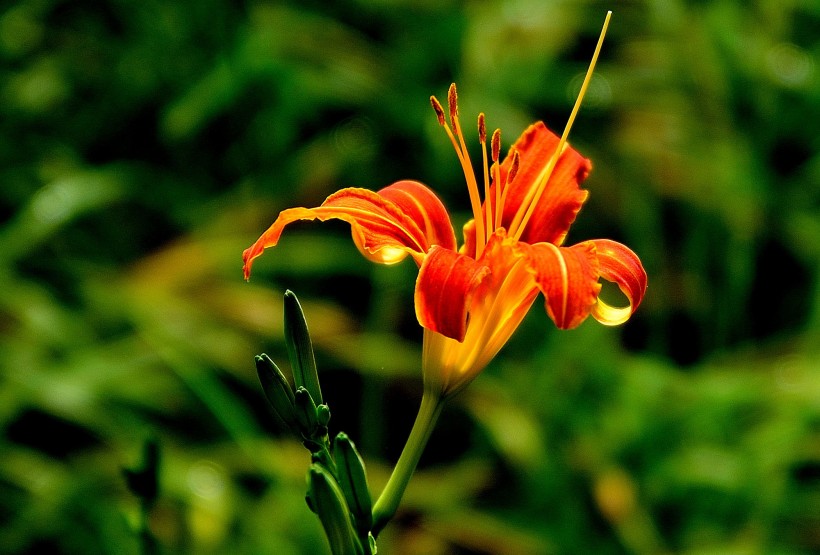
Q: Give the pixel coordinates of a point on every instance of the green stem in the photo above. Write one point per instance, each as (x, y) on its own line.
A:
(388, 501)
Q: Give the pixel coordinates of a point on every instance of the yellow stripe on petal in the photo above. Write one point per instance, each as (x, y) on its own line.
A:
(568, 278)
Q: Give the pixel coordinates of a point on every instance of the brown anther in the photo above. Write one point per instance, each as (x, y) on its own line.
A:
(496, 144)
(439, 110)
(482, 128)
(452, 99)
(514, 167)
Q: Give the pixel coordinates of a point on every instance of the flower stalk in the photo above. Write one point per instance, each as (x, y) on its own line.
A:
(388, 502)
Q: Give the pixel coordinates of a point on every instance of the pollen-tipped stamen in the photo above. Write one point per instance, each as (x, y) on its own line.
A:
(499, 207)
(482, 129)
(527, 208)
(467, 167)
(452, 104)
(443, 122)
(514, 168)
(439, 111)
(509, 179)
(488, 207)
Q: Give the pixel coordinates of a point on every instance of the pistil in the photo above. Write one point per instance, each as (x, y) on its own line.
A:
(527, 208)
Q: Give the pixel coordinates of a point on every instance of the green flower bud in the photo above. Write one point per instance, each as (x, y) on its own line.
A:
(323, 414)
(277, 389)
(300, 348)
(329, 502)
(306, 418)
(353, 481)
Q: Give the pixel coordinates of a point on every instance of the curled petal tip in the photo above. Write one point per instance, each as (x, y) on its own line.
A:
(247, 261)
(623, 267)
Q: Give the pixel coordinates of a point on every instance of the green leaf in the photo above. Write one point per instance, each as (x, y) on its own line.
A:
(300, 348)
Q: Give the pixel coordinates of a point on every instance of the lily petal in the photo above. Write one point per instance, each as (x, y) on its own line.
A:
(622, 266)
(444, 291)
(568, 278)
(562, 198)
(423, 207)
(401, 219)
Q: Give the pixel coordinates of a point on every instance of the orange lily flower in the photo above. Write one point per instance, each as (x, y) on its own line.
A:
(471, 300)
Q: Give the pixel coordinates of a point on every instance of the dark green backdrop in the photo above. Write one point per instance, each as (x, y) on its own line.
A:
(145, 144)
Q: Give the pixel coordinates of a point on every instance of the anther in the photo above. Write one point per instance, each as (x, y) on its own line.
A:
(514, 167)
(452, 99)
(496, 144)
(439, 110)
(482, 128)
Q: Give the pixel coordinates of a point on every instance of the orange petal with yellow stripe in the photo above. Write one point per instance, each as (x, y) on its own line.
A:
(568, 278)
(422, 206)
(401, 219)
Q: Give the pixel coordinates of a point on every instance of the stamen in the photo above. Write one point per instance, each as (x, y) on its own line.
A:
(496, 144)
(443, 122)
(467, 167)
(514, 167)
(510, 176)
(488, 207)
(439, 111)
(527, 208)
(499, 210)
(452, 99)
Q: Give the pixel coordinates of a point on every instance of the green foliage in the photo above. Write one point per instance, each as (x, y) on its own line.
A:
(144, 145)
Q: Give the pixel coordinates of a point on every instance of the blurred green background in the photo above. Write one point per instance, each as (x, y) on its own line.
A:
(144, 145)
